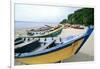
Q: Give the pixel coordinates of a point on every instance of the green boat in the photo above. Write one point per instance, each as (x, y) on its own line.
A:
(48, 33)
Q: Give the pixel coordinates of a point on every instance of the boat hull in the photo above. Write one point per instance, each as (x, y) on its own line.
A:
(49, 34)
(54, 56)
(58, 53)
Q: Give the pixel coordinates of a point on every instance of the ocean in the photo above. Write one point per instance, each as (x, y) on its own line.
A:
(23, 24)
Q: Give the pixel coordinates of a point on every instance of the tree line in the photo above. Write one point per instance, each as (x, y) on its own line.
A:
(84, 16)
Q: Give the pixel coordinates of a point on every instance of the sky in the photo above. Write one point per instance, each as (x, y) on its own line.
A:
(38, 13)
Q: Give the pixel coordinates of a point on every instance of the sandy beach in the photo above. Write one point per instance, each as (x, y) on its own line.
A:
(87, 51)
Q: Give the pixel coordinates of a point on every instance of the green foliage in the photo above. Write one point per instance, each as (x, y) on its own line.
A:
(63, 21)
(84, 16)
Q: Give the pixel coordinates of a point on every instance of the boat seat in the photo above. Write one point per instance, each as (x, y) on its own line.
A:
(28, 47)
(52, 44)
(46, 46)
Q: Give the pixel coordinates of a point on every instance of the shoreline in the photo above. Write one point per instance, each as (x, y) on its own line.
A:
(65, 32)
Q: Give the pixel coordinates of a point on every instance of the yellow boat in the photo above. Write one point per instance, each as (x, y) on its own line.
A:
(55, 52)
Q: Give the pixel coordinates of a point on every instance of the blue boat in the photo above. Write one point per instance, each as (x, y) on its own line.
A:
(52, 51)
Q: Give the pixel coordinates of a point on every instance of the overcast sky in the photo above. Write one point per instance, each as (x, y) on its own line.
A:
(37, 13)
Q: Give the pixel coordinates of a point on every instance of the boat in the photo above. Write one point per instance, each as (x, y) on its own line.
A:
(45, 28)
(46, 33)
(19, 40)
(27, 46)
(77, 26)
(55, 51)
(67, 26)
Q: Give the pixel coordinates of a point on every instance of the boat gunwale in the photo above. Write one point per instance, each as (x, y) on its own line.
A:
(22, 40)
(68, 44)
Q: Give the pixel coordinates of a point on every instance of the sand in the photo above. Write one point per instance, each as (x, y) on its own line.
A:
(86, 53)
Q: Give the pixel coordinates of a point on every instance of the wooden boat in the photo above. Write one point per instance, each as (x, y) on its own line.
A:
(27, 46)
(54, 52)
(45, 28)
(19, 40)
(77, 27)
(67, 26)
(48, 33)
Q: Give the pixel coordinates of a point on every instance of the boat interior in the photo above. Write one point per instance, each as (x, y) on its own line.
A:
(36, 45)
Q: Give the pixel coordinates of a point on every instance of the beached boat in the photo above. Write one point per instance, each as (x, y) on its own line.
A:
(53, 51)
(77, 26)
(19, 40)
(45, 28)
(46, 33)
(67, 25)
(27, 46)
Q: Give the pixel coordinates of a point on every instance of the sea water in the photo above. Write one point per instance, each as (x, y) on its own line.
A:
(28, 24)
